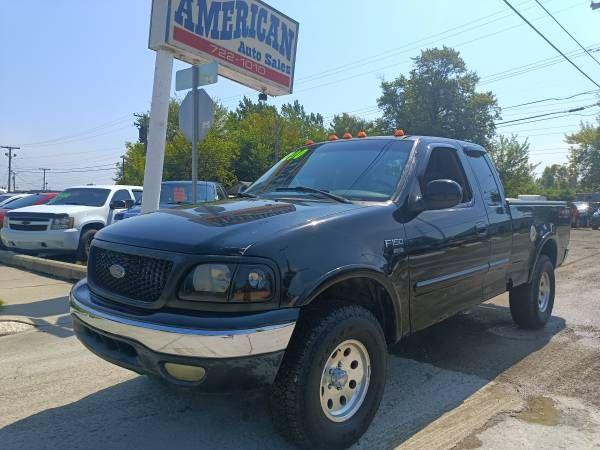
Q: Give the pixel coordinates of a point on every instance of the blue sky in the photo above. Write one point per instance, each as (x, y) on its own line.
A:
(73, 73)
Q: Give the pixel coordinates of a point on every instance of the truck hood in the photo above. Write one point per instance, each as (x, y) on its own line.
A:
(227, 228)
(72, 210)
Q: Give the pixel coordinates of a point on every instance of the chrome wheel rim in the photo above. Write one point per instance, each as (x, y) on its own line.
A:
(544, 292)
(345, 381)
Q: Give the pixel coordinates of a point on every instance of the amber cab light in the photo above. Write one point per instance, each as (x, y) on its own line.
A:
(361, 134)
(309, 142)
(347, 136)
(333, 137)
(399, 133)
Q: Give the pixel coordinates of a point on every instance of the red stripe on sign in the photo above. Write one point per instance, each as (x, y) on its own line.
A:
(223, 54)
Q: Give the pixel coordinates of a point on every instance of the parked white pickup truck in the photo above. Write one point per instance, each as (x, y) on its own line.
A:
(68, 223)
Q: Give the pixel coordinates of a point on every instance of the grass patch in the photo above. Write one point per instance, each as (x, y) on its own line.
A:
(1, 303)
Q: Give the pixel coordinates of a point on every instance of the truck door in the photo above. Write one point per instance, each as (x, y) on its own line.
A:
(500, 228)
(448, 249)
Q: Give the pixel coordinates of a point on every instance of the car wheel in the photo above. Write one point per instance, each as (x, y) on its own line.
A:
(531, 304)
(594, 227)
(85, 242)
(332, 378)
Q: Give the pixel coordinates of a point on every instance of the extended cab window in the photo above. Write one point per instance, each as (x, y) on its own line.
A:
(81, 196)
(485, 177)
(364, 170)
(444, 164)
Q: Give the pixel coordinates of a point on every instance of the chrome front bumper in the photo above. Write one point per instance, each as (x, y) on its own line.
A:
(186, 342)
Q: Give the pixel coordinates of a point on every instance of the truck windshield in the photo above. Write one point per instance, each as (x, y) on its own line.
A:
(362, 170)
(81, 196)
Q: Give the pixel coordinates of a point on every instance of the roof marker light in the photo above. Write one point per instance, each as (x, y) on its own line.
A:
(361, 134)
(347, 136)
(333, 137)
(399, 133)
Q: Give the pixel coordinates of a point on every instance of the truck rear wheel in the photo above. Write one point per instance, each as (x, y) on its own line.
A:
(531, 304)
(331, 380)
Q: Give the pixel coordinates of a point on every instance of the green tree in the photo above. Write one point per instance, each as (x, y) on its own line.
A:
(439, 98)
(511, 158)
(348, 123)
(584, 156)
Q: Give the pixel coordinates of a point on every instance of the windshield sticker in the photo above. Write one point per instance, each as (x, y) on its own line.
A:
(295, 155)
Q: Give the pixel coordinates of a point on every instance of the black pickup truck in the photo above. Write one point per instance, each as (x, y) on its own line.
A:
(336, 253)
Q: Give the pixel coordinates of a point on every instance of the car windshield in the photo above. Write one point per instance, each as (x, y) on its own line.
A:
(81, 196)
(4, 197)
(26, 201)
(363, 170)
(175, 193)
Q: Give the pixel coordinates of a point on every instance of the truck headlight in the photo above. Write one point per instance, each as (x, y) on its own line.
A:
(228, 283)
(62, 223)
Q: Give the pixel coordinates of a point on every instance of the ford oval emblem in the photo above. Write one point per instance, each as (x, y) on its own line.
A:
(117, 271)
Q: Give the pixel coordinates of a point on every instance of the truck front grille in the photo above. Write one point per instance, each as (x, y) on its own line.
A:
(134, 277)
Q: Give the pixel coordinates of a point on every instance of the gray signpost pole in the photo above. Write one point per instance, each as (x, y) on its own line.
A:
(195, 139)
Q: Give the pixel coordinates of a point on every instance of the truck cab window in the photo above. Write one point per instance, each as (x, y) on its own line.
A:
(444, 165)
(489, 188)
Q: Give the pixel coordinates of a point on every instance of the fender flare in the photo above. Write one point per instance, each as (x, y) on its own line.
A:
(548, 237)
(356, 271)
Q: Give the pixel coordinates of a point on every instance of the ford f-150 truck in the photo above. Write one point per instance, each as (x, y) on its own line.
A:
(335, 254)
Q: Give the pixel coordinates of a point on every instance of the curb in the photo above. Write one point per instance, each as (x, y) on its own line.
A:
(57, 269)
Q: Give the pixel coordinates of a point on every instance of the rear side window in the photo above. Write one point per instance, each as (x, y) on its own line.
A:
(138, 195)
(121, 195)
(444, 165)
(485, 177)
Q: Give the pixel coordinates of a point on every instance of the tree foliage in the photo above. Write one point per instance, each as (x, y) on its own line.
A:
(348, 123)
(241, 144)
(439, 98)
(584, 156)
(511, 158)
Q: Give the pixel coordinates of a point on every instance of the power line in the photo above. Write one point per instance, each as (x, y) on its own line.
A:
(572, 110)
(546, 118)
(549, 42)
(565, 30)
(551, 98)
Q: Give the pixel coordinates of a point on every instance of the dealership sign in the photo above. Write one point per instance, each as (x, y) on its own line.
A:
(253, 43)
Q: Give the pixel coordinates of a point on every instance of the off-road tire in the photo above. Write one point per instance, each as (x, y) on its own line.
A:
(295, 402)
(84, 242)
(524, 305)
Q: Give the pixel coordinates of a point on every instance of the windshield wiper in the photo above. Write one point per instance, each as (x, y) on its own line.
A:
(337, 198)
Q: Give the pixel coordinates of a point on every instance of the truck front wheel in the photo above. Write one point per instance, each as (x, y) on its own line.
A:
(531, 304)
(85, 242)
(332, 378)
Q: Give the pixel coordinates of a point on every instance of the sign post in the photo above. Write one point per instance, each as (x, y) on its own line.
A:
(195, 137)
(157, 130)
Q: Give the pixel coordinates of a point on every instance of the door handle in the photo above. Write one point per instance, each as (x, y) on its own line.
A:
(481, 228)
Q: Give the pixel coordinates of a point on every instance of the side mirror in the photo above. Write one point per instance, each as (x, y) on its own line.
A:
(118, 204)
(442, 194)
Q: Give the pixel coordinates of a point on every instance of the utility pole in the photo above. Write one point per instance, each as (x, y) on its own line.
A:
(44, 184)
(10, 155)
(14, 175)
(123, 168)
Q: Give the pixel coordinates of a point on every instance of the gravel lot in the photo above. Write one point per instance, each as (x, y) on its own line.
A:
(474, 381)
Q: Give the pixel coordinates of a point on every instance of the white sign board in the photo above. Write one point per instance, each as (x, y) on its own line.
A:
(253, 43)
